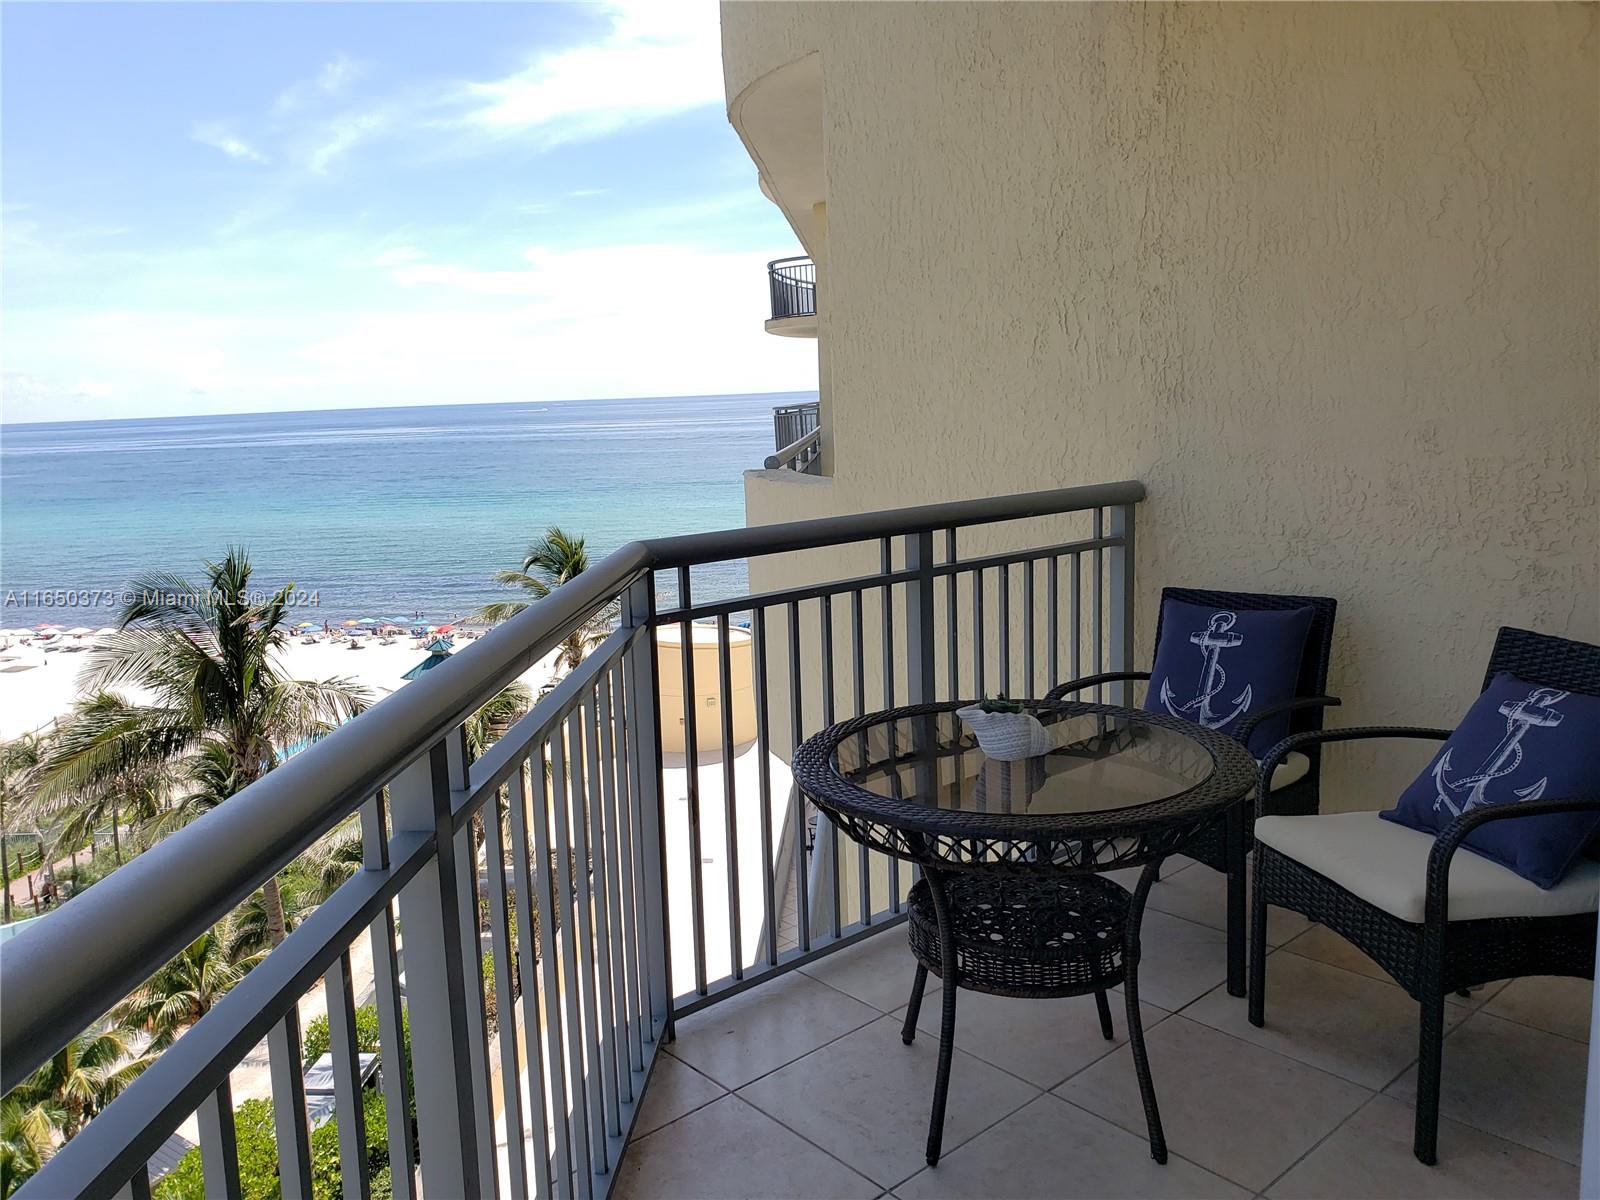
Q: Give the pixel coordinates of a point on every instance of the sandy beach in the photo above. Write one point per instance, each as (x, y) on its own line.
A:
(38, 686)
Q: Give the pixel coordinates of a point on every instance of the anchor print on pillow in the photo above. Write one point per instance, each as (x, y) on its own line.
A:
(1519, 742)
(1217, 666)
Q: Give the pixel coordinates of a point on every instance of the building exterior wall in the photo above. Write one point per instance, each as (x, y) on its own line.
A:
(1325, 277)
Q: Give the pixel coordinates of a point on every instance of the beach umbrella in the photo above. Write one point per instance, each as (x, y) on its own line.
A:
(306, 625)
(444, 629)
(79, 631)
(368, 621)
(438, 651)
(107, 630)
(351, 624)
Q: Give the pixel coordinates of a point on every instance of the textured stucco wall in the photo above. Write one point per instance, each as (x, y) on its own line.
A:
(1325, 277)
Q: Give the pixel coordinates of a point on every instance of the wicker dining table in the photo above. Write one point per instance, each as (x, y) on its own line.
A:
(1011, 895)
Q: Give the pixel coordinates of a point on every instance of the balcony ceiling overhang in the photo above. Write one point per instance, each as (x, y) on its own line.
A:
(779, 118)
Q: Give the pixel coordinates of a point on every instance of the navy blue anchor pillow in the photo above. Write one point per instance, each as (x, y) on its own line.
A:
(1217, 667)
(1519, 742)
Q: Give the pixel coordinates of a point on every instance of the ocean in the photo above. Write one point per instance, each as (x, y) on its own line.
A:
(377, 512)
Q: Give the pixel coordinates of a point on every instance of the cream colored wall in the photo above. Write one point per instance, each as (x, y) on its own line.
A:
(1323, 276)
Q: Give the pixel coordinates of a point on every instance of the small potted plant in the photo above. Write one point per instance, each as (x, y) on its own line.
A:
(1004, 731)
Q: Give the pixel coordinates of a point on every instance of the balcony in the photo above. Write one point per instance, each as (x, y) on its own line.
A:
(691, 894)
(802, 1087)
(792, 283)
(797, 439)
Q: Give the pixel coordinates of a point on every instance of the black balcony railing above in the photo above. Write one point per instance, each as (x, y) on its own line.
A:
(577, 815)
(796, 438)
(793, 283)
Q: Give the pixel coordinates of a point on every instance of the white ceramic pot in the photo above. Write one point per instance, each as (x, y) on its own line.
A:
(1007, 736)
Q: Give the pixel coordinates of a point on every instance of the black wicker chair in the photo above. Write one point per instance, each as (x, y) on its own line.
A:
(1436, 955)
(1225, 845)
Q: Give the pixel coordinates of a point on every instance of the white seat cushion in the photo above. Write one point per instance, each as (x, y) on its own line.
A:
(1387, 866)
(1292, 769)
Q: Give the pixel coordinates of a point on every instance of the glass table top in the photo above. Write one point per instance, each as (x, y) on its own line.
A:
(1096, 763)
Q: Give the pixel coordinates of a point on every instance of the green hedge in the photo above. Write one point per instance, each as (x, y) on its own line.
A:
(315, 1041)
(258, 1157)
(258, 1143)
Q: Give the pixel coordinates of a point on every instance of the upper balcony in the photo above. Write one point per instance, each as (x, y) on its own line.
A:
(793, 285)
(604, 965)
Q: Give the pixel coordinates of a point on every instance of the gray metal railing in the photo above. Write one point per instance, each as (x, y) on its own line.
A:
(793, 284)
(797, 438)
(588, 830)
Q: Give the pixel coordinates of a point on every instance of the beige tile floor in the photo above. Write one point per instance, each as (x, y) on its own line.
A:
(801, 1087)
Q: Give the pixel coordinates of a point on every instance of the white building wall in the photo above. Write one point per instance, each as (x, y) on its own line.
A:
(1324, 277)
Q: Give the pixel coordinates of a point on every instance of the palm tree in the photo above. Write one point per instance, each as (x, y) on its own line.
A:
(220, 706)
(189, 986)
(135, 794)
(554, 559)
(17, 761)
(81, 1078)
(27, 1139)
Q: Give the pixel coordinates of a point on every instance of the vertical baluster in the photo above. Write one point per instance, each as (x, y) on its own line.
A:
(827, 834)
(858, 696)
(1095, 599)
(603, 1022)
(977, 633)
(339, 991)
(645, 739)
(551, 881)
(1029, 670)
(463, 845)
(1004, 604)
(797, 727)
(1122, 600)
(568, 863)
(504, 974)
(769, 910)
(691, 763)
(730, 797)
(219, 1148)
(1077, 619)
(952, 617)
(289, 1107)
(1053, 603)
(611, 927)
(393, 1053)
(583, 964)
(639, 1012)
(138, 1185)
(886, 567)
(528, 953)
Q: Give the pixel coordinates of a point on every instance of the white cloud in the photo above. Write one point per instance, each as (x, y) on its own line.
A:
(333, 80)
(344, 133)
(538, 324)
(397, 256)
(218, 136)
(657, 59)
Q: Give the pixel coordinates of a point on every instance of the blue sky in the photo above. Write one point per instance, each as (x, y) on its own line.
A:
(228, 207)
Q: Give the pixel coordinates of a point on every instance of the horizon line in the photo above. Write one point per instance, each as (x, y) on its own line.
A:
(380, 407)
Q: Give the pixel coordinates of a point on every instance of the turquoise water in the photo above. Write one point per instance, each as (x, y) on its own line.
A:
(371, 512)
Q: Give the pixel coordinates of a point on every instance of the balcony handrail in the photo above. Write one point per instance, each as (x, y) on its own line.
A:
(794, 450)
(104, 944)
(101, 946)
(784, 262)
(792, 284)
